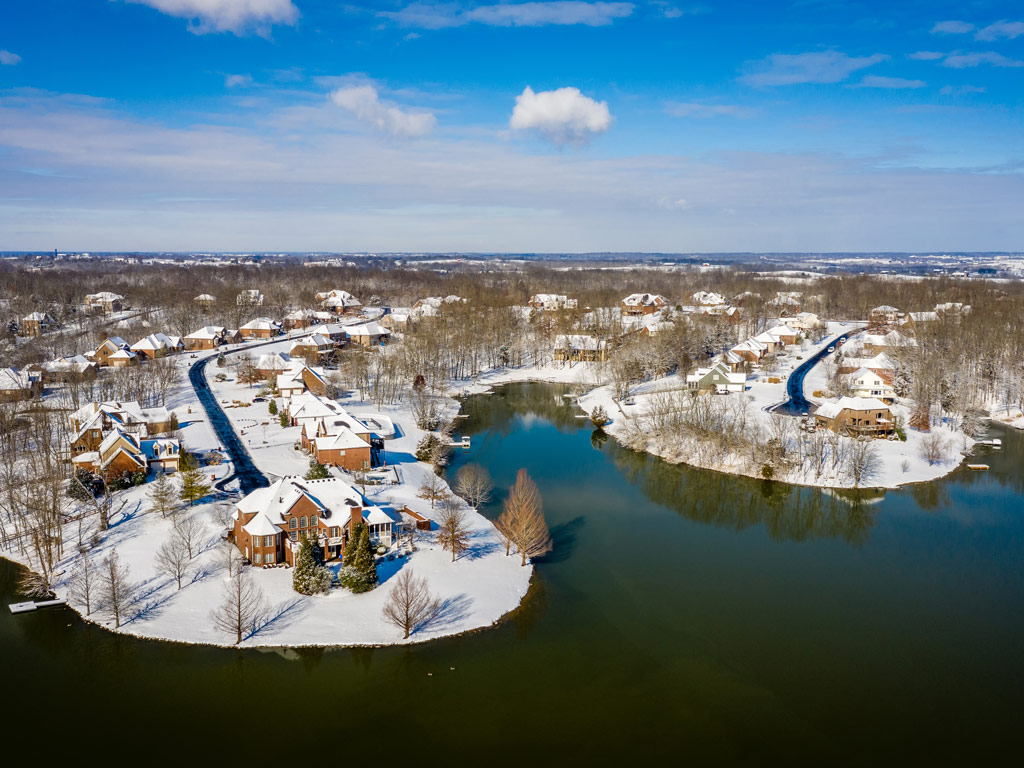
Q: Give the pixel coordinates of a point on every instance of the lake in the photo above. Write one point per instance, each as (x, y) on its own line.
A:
(683, 614)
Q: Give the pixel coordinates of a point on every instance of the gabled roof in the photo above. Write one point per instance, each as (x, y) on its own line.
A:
(208, 332)
(261, 324)
(12, 378)
(333, 497)
(372, 328)
(643, 300)
(831, 410)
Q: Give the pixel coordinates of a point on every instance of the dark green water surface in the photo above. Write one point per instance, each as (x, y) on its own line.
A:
(684, 615)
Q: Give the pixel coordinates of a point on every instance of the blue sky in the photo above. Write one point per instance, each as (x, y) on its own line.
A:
(511, 126)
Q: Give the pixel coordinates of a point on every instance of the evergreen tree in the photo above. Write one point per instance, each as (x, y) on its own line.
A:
(309, 576)
(193, 482)
(317, 471)
(284, 420)
(359, 572)
(172, 423)
(162, 495)
(272, 407)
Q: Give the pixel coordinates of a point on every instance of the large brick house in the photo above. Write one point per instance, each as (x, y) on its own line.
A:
(92, 422)
(105, 301)
(339, 302)
(157, 345)
(260, 328)
(367, 334)
(121, 453)
(14, 385)
(109, 353)
(856, 416)
(207, 337)
(642, 304)
(270, 523)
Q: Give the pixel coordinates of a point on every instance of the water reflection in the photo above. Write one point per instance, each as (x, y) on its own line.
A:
(788, 513)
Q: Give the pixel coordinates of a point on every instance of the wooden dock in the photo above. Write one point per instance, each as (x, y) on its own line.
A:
(33, 605)
(978, 467)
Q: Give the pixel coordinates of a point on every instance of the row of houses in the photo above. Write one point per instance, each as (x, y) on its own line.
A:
(114, 438)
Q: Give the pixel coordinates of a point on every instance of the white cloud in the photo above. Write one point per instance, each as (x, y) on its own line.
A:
(426, 15)
(817, 67)
(959, 90)
(238, 16)
(364, 102)
(563, 116)
(964, 60)
(1010, 30)
(877, 81)
(238, 81)
(952, 28)
(926, 55)
(696, 109)
(9, 59)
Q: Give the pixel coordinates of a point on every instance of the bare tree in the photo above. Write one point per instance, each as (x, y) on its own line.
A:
(172, 558)
(243, 607)
(933, 448)
(454, 526)
(410, 604)
(116, 590)
(473, 483)
(432, 489)
(525, 524)
(862, 462)
(190, 530)
(83, 583)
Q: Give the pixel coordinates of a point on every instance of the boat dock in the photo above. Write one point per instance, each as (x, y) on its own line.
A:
(33, 605)
(978, 467)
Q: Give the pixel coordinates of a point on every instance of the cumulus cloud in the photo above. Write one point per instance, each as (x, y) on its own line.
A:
(364, 102)
(238, 81)
(696, 109)
(563, 116)
(877, 81)
(965, 60)
(926, 55)
(9, 59)
(237, 16)
(1010, 30)
(952, 28)
(428, 15)
(817, 67)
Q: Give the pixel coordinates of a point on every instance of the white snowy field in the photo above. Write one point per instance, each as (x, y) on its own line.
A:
(476, 590)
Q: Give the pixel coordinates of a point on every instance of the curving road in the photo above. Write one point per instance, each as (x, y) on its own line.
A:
(249, 477)
(795, 403)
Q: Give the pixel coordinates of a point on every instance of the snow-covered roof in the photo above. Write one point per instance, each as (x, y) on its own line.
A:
(832, 409)
(157, 341)
(103, 297)
(261, 526)
(579, 342)
(643, 300)
(160, 448)
(708, 298)
(344, 440)
(205, 297)
(12, 378)
(372, 328)
(38, 317)
(208, 332)
(313, 340)
(261, 324)
(332, 496)
(74, 363)
(274, 361)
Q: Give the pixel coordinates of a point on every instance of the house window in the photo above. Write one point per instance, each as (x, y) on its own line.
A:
(292, 523)
(334, 532)
(257, 558)
(268, 541)
(269, 558)
(302, 522)
(313, 521)
(293, 535)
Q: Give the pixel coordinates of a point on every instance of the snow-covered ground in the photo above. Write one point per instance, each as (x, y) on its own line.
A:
(477, 590)
(898, 463)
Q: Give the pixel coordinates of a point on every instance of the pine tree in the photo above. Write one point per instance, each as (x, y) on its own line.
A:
(359, 572)
(193, 483)
(309, 576)
(272, 407)
(317, 471)
(162, 495)
(285, 422)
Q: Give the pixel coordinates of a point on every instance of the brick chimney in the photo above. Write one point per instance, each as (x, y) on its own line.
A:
(355, 517)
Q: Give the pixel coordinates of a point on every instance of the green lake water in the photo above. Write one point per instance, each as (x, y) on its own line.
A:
(683, 614)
